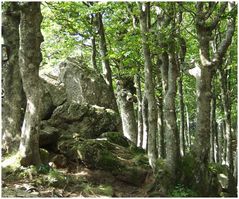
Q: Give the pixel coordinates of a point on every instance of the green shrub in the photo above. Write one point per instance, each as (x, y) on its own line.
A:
(56, 178)
(181, 191)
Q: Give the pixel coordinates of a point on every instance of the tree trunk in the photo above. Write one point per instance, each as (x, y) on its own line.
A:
(202, 144)
(145, 122)
(171, 132)
(93, 55)
(225, 85)
(29, 59)
(221, 142)
(14, 97)
(213, 127)
(125, 101)
(188, 136)
(182, 122)
(140, 114)
(217, 147)
(93, 44)
(161, 135)
(149, 87)
(107, 74)
(203, 89)
(164, 79)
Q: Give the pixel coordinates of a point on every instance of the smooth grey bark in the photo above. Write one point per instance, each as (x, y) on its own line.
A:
(213, 127)
(217, 146)
(13, 102)
(107, 73)
(149, 87)
(182, 122)
(145, 122)
(29, 60)
(93, 44)
(188, 136)
(163, 22)
(221, 142)
(170, 70)
(204, 79)
(225, 87)
(126, 108)
(180, 91)
(161, 133)
(139, 111)
(182, 54)
(171, 131)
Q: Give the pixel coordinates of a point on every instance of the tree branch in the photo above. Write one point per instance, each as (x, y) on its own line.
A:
(225, 43)
(210, 11)
(214, 23)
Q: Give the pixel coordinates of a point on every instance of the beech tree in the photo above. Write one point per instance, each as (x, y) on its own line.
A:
(14, 99)
(149, 86)
(206, 70)
(29, 60)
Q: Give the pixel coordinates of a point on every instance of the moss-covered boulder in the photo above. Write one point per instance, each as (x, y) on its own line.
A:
(105, 155)
(80, 120)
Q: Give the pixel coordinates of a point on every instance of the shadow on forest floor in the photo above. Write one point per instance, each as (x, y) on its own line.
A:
(62, 183)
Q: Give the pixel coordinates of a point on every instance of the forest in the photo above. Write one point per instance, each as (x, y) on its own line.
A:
(119, 99)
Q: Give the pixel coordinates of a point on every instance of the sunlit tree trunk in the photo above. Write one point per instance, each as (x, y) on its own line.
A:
(107, 73)
(213, 127)
(149, 87)
(225, 87)
(217, 147)
(188, 137)
(204, 77)
(14, 99)
(145, 121)
(29, 60)
(93, 43)
(180, 62)
(171, 131)
(161, 134)
(182, 121)
(126, 108)
(139, 115)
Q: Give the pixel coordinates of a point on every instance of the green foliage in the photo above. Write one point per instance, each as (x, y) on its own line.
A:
(217, 168)
(108, 161)
(141, 160)
(181, 191)
(56, 178)
(117, 138)
(43, 169)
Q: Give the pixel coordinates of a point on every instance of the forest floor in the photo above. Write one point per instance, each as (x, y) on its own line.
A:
(82, 182)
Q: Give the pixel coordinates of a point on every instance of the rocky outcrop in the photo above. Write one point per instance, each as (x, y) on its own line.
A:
(76, 120)
(85, 85)
(82, 125)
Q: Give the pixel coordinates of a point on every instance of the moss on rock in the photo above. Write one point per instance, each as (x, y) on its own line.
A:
(117, 138)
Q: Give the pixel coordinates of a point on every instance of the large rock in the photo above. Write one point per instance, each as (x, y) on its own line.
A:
(85, 85)
(78, 120)
(52, 96)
